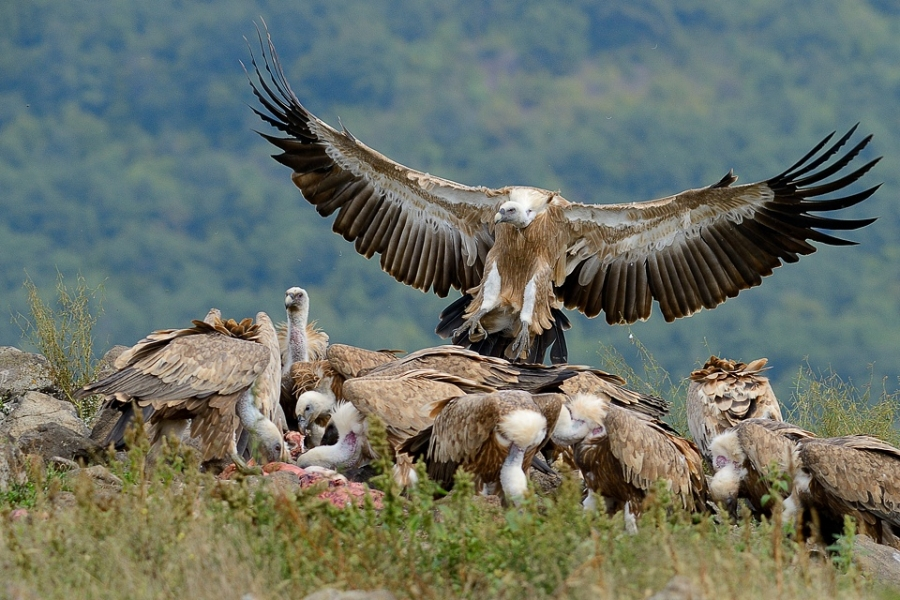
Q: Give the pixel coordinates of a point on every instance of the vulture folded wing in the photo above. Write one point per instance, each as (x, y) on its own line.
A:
(430, 232)
(648, 452)
(188, 366)
(464, 425)
(769, 443)
(404, 402)
(861, 472)
(695, 249)
(598, 383)
(350, 361)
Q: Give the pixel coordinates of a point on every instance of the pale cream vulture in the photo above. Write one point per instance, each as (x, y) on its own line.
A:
(748, 458)
(519, 254)
(623, 455)
(855, 475)
(724, 393)
(223, 376)
(494, 436)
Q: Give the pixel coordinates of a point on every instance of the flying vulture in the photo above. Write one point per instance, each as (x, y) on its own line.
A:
(223, 376)
(520, 254)
(494, 436)
(622, 455)
(747, 460)
(855, 475)
(725, 392)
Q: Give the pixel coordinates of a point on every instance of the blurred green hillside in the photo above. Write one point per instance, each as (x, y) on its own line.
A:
(127, 153)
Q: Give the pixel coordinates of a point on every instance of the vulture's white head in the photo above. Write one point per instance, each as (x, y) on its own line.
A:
(587, 418)
(519, 431)
(726, 450)
(311, 405)
(271, 444)
(524, 204)
(296, 300)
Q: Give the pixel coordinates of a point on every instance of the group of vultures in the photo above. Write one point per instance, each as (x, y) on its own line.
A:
(236, 386)
(488, 404)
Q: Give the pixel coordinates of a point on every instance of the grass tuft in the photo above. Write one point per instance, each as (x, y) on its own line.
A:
(63, 334)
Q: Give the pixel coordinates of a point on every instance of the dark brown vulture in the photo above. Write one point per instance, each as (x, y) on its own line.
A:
(855, 475)
(520, 254)
(748, 457)
(622, 455)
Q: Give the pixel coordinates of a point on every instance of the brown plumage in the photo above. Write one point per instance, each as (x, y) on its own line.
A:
(854, 475)
(351, 361)
(494, 436)
(317, 386)
(724, 393)
(623, 454)
(224, 376)
(405, 401)
(748, 457)
(404, 404)
(519, 254)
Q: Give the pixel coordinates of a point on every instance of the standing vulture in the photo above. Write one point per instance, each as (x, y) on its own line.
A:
(748, 458)
(224, 376)
(519, 254)
(854, 475)
(622, 455)
(300, 343)
(494, 436)
(725, 392)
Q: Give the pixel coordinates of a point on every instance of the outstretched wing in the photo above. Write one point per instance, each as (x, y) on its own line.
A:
(430, 232)
(698, 248)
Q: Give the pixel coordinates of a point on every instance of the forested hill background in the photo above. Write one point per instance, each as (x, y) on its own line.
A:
(127, 153)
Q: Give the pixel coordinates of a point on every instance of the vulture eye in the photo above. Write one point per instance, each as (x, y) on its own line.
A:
(721, 461)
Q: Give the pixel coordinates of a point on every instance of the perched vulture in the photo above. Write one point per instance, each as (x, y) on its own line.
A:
(300, 343)
(494, 436)
(223, 375)
(300, 339)
(725, 392)
(855, 475)
(748, 457)
(623, 454)
(519, 254)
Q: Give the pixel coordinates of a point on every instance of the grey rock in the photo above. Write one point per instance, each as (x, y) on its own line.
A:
(12, 466)
(104, 422)
(333, 594)
(21, 372)
(880, 563)
(36, 409)
(106, 367)
(49, 440)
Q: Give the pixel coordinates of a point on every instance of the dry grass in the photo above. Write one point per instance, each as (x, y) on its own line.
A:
(63, 334)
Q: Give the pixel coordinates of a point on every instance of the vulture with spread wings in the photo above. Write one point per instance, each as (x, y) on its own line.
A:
(520, 254)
